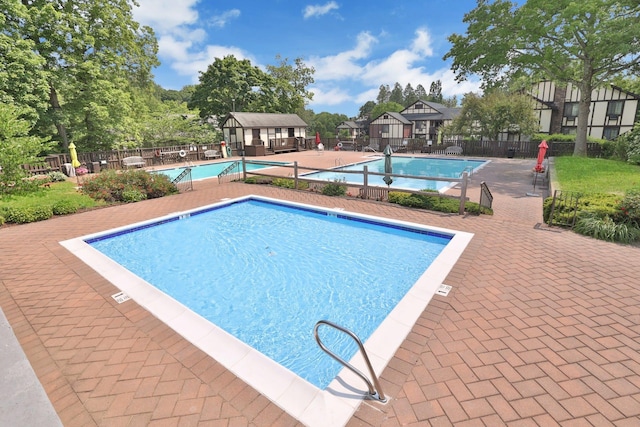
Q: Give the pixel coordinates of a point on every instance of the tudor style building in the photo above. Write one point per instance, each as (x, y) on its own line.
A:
(258, 134)
(613, 111)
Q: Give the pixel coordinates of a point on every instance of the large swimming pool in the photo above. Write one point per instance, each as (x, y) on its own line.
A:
(416, 166)
(247, 279)
(212, 170)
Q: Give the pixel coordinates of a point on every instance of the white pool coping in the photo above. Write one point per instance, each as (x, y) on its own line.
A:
(313, 407)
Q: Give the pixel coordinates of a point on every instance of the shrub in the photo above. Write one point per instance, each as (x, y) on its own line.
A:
(590, 224)
(334, 189)
(435, 203)
(57, 176)
(111, 186)
(133, 195)
(25, 214)
(599, 204)
(630, 208)
(64, 207)
(2, 220)
(258, 180)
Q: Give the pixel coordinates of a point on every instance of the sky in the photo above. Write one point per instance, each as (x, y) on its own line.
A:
(353, 46)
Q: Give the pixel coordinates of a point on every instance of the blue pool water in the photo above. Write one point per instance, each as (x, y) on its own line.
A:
(417, 166)
(211, 170)
(266, 272)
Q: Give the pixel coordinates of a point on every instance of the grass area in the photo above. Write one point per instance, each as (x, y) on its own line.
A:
(49, 196)
(586, 175)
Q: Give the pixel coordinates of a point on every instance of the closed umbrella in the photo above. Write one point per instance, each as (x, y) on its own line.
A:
(74, 155)
(388, 169)
(318, 138)
(542, 150)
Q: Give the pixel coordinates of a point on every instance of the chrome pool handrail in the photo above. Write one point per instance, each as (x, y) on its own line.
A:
(375, 391)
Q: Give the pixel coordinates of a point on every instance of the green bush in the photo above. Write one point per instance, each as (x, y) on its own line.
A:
(258, 180)
(435, 203)
(56, 176)
(25, 214)
(64, 207)
(630, 208)
(133, 195)
(111, 186)
(2, 220)
(599, 204)
(334, 189)
(604, 228)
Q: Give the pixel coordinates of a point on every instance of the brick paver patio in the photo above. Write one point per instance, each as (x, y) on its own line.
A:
(542, 327)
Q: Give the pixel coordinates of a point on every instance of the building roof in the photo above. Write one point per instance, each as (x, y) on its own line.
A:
(445, 113)
(399, 117)
(266, 120)
(349, 124)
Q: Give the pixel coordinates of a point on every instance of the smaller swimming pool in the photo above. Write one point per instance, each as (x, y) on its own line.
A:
(212, 170)
(416, 166)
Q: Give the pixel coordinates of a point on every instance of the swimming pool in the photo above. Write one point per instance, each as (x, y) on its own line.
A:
(211, 170)
(271, 379)
(417, 166)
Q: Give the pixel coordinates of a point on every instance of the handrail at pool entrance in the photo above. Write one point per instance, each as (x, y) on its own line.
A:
(375, 391)
(228, 170)
(183, 181)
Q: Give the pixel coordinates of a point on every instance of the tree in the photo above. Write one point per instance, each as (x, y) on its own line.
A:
(230, 84)
(383, 94)
(409, 95)
(17, 147)
(584, 43)
(396, 94)
(365, 110)
(292, 82)
(493, 113)
(421, 93)
(91, 54)
(379, 109)
(435, 92)
(326, 124)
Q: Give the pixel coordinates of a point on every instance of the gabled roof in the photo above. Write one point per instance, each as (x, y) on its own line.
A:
(266, 120)
(445, 113)
(349, 124)
(399, 117)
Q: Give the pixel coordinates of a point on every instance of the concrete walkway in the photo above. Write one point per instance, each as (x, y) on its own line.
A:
(542, 326)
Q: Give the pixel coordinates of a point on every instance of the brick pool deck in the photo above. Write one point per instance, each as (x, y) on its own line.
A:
(541, 327)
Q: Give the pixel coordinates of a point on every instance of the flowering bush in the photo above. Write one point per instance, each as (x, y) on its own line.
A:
(128, 186)
(630, 208)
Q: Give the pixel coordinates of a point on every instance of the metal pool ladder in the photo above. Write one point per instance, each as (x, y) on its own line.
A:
(375, 391)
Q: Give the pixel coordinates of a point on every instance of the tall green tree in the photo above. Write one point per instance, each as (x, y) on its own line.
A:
(383, 94)
(326, 124)
(365, 110)
(23, 81)
(421, 93)
(91, 53)
(494, 113)
(292, 82)
(396, 94)
(580, 42)
(390, 106)
(435, 91)
(409, 95)
(17, 147)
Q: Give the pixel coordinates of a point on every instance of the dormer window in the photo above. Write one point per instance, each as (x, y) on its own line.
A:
(419, 106)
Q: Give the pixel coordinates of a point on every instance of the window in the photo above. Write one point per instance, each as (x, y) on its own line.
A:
(569, 130)
(611, 132)
(278, 130)
(385, 128)
(614, 108)
(571, 110)
(419, 106)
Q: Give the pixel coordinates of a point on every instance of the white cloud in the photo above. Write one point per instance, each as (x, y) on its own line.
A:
(164, 15)
(330, 96)
(422, 43)
(221, 20)
(319, 10)
(343, 65)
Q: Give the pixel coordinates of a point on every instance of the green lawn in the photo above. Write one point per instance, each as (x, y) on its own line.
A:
(57, 192)
(586, 175)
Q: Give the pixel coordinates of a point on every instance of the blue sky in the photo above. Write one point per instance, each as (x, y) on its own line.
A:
(354, 46)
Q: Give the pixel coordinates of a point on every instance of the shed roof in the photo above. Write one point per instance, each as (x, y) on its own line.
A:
(266, 120)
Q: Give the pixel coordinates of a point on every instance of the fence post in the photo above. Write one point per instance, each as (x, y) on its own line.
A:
(365, 182)
(244, 169)
(463, 192)
(295, 175)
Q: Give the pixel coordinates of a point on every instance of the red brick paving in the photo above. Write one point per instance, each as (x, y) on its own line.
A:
(542, 327)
